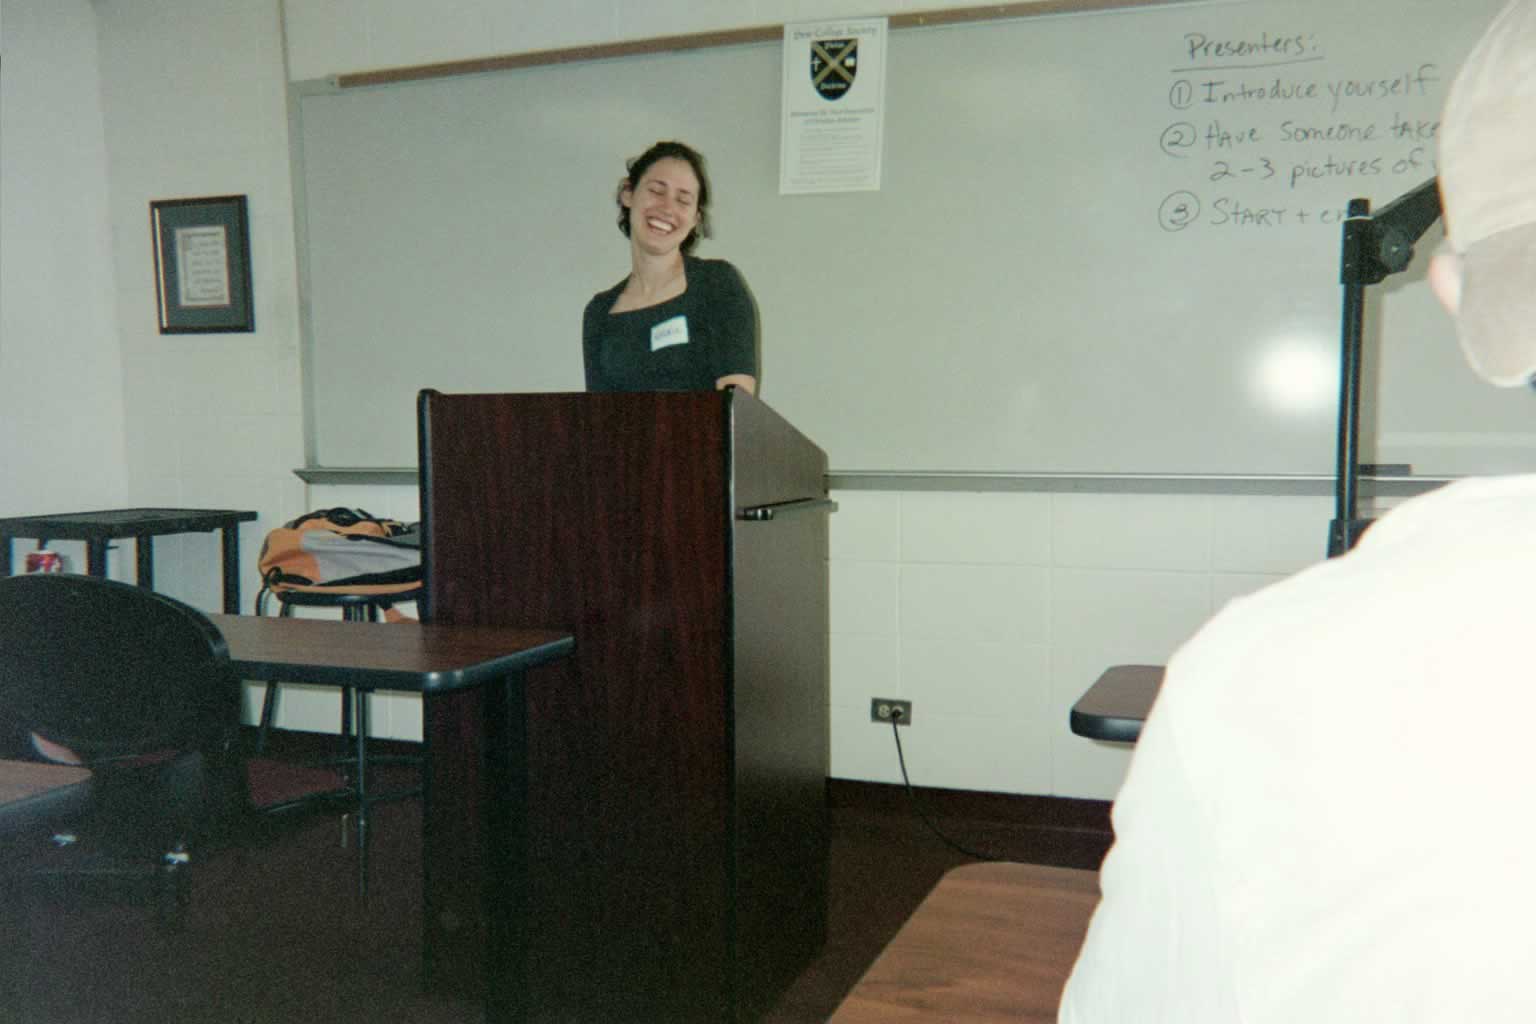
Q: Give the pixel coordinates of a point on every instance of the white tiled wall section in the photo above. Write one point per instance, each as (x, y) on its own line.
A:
(992, 612)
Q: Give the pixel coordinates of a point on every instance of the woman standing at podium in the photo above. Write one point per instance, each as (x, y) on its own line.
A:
(676, 322)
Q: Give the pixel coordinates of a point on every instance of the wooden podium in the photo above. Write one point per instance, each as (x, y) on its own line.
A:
(665, 857)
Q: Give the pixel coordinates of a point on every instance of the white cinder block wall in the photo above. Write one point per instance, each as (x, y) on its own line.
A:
(991, 611)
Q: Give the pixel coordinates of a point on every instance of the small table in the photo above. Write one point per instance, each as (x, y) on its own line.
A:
(991, 943)
(433, 660)
(1116, 706)
(143, 525)
(32, 792)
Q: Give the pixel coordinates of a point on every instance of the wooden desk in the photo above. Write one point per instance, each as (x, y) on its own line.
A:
(1116, 706)
(435, 660)
(411, 657)
(143, 525)
(31, 791)
(991, 942)
(22, 779)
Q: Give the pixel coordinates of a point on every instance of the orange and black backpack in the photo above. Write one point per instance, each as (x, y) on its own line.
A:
(342, 550)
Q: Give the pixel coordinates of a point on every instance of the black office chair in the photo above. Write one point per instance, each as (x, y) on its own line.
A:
(139, 686)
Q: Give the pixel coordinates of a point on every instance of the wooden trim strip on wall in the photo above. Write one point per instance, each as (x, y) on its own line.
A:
(727, 37)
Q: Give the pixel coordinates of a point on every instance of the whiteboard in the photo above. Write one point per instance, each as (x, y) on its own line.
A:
(1103, 244)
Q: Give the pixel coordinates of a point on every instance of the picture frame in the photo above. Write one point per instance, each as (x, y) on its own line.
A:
(202, 265)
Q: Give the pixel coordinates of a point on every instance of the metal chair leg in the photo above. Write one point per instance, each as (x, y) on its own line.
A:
(268, 714)
(360, 714)
(354, 737)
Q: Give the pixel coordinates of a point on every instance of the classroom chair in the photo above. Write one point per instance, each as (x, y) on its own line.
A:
(138, 686)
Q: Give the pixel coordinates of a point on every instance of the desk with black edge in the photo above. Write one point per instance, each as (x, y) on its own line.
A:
(991, 943)
(489, 817)
(141, 524)
(31, 792)
(1116, 706)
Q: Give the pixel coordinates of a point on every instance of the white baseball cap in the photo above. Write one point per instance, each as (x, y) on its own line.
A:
(1488, 193)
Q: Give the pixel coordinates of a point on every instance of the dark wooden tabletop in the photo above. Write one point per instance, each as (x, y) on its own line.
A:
(395, 655)
(122, 522)
(22, 779)
(1116, 706)
(990, 943)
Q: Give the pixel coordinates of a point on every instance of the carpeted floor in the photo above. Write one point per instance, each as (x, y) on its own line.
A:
(276, 935)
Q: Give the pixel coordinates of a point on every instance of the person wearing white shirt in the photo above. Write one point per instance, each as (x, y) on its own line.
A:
(1330, 815)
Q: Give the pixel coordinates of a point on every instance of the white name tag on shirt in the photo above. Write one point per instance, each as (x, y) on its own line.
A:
(669, 333)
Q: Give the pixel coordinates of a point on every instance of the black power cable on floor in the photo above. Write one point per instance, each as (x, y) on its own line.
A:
(917, 808)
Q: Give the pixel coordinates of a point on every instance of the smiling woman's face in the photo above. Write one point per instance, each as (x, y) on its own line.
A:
(663, 205)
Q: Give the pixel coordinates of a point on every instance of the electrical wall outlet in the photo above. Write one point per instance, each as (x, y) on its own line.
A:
(883, 709)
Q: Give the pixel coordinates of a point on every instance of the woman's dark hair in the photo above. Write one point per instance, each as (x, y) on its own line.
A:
(635, 170)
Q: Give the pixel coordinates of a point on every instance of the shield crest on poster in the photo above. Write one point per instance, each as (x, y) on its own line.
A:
(834, 63)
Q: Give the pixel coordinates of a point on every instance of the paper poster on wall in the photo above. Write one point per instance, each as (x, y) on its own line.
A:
(834, 106)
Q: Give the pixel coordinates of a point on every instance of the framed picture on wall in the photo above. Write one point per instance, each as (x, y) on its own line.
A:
(202, 265)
